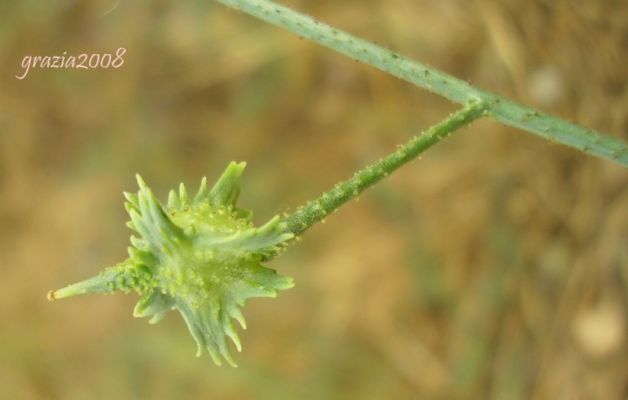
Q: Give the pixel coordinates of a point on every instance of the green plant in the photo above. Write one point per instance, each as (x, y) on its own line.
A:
(203, 257)
(200, 255)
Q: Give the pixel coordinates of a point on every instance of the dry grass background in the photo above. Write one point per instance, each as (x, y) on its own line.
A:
(496, 267)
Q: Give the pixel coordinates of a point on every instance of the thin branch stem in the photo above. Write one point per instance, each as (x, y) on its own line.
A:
(506, 111)
(316, 210)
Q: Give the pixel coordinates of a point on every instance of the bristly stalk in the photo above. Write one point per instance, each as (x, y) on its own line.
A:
(504, 110)
(316, 210)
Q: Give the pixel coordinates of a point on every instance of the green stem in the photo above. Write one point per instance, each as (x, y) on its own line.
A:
(506, 111)
(316, 210)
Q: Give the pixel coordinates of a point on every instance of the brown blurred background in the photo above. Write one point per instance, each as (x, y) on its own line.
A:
(496, 267)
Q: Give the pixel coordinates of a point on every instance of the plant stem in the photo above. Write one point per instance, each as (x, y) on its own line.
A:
(316, 210)
(506, 111)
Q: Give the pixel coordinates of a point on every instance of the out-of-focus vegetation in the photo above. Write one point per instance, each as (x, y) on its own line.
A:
(495, 267)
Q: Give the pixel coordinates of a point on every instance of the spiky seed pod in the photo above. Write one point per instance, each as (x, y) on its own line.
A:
(201, 256)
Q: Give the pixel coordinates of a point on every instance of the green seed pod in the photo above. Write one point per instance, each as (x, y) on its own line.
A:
(201, 256)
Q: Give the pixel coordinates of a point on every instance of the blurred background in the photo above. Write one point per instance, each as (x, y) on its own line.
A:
(496, 267)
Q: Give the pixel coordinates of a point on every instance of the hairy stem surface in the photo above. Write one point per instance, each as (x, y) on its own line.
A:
(506, 111)
(316, 210)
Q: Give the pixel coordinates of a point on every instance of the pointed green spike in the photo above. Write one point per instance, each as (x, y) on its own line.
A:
(230, 330)
(140, 183)
(140, 227)
(154, 225)
(173, 200)
(183, 195)
(263, 240)
(96, 285)
(226, 354)
(195, 330)
(118, 277)
(227, 189)
(214, 355)
(131, 198)
(237, 315)
(158, 217)
(202, 191)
